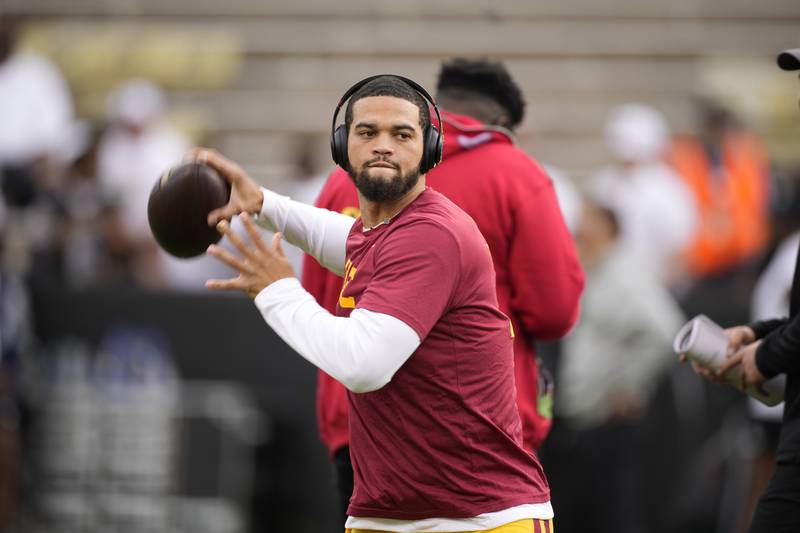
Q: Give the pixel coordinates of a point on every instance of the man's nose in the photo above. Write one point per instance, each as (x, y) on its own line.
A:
(382, 146)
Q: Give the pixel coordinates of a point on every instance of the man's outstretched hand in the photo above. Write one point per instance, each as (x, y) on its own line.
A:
(259, 265)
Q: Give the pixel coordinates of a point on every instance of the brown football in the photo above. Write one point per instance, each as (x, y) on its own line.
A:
(179, 206)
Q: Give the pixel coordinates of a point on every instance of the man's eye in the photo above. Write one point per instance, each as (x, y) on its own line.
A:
(404, 136)
(366, 134)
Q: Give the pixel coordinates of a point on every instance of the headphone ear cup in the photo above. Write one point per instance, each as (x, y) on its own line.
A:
(432, 151)
(339, 147)
(438, 142)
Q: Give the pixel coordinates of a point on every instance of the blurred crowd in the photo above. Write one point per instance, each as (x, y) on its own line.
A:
(75, 192)
(675, 226)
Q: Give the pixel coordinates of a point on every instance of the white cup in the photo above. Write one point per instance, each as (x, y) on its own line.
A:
(706, 343)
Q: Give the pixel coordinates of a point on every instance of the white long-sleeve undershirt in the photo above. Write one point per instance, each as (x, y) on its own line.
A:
(362, 351)
(316, 231)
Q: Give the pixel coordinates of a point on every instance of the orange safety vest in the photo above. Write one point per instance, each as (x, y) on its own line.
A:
(733, 205)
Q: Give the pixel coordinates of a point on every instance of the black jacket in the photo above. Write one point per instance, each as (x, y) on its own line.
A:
(780, 353)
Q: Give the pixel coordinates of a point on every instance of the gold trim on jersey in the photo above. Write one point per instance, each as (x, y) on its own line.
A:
(347, 302)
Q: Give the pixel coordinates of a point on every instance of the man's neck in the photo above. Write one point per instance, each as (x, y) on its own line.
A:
(376, 213)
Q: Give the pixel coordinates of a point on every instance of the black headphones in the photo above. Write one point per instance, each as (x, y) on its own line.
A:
(433, 138)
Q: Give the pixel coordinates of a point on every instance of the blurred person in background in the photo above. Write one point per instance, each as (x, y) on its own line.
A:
(610, 365)
(15, 342)
(84, 204)
(306, 186)
(512, 200)
(762, 350)
(137, 147)
(657, 212)
(727, 169)
(37, 112)
(36, 107)
(94, 247)
(772, 292)
(568, 196)
(771, 298)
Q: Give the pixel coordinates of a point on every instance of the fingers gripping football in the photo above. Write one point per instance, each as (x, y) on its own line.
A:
(246, 195)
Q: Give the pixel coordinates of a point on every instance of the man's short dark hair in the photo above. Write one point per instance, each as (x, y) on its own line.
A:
(489, 78)
(390, 86)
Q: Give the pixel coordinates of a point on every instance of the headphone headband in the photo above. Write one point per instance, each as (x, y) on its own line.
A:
(414, 85)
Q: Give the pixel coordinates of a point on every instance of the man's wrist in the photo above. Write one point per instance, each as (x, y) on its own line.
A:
(276, 289)
(259, 201)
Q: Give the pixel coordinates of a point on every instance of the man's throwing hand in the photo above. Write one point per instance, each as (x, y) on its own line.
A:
(246, 195)
(259, 265)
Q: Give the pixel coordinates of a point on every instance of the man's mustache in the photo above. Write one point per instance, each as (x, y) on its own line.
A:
(381, 160)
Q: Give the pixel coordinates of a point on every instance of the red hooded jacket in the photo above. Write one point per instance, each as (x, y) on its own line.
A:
(539, 278)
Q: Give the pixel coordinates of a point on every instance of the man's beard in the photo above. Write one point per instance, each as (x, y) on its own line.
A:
(380, 189)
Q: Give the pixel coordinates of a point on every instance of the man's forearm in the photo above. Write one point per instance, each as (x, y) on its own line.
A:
(319, 232)
(362, 351)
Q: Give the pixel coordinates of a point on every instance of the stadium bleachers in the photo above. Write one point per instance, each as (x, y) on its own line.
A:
(250, 72)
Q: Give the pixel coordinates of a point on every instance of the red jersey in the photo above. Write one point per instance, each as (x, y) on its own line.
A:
(539, 279)
(443, 438)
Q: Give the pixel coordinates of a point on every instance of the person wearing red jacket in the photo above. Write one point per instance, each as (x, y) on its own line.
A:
(512, 200)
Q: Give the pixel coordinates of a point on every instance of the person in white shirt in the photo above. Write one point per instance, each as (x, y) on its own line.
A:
(35, 103)
(657, 212)
(37, 115)
(137, 148)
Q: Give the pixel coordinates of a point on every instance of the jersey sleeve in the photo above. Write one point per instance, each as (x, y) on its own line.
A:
(416, 273)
